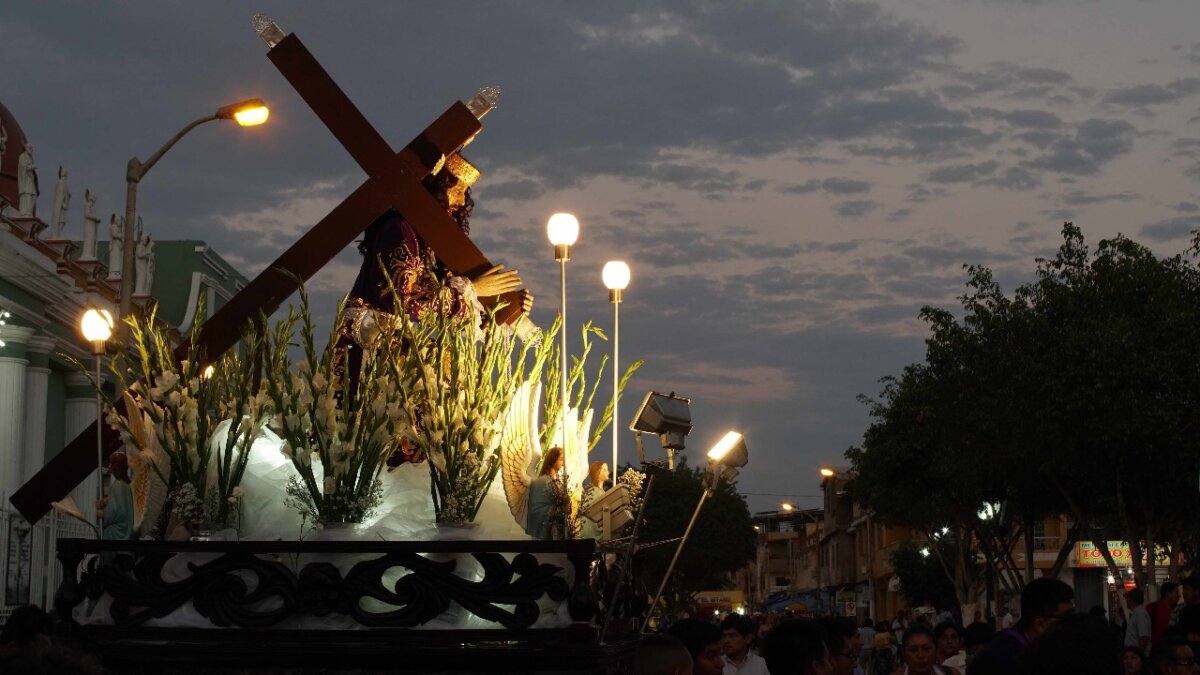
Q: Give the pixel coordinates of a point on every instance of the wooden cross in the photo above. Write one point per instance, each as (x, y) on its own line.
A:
(393, 182)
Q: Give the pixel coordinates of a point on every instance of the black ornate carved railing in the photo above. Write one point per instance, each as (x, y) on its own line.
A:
(251, 585)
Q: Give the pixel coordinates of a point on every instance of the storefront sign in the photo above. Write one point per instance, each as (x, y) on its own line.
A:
(1087, 555)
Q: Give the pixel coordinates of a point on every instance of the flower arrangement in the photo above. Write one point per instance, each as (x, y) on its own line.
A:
(457, 379)
(337, 442)
(202, 420)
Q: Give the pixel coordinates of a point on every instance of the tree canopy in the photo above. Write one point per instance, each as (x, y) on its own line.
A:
(1078, 394)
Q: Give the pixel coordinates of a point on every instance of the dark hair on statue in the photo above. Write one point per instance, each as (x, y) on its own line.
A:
(549, 460)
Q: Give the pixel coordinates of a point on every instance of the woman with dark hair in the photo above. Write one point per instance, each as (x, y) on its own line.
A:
(545, 501)
(918, 652)
(593, 487)
(117, 508)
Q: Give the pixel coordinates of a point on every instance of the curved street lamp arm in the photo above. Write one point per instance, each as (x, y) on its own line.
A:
(137, 168)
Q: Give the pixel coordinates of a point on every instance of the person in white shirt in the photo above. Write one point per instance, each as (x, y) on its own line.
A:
(1137, 631)
(737, 633)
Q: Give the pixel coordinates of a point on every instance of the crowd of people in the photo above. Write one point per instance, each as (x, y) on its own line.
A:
(1048, 637)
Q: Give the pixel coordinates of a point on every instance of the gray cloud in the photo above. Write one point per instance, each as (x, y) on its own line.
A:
(962, 173)
(1015, 178)
(1082, 197)
(519, 189)
(1171, 228)
(1094, 143)
(833, 186)
(1025, 118)
(1141, 95)
(856, 208)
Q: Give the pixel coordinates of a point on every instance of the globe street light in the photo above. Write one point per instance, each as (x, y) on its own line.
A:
(96, 325)
(248, 113)
(616, 278)
(563, 230)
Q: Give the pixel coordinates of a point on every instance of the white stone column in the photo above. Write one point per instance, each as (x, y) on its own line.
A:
(12, 408)
(81, 412)
(37, 400)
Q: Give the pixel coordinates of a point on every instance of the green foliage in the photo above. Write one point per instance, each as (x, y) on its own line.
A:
(1078, 394)
(922, 580)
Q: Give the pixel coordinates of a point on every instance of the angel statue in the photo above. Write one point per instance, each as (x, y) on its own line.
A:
(544, 501)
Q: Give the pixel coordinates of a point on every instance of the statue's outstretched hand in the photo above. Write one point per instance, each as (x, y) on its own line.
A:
(496, 281)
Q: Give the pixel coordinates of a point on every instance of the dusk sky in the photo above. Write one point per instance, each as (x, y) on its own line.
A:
(789, 181)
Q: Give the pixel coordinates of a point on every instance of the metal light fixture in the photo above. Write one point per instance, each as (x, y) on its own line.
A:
(666, 415)
(616, 278)
(724, 459)
(563, 230)
(828, 472)
(250, 112)
(730, 451)
(97, 326)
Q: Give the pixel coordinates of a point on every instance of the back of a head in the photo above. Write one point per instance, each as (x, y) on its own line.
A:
(1042, 597)
(978, 634)
(837, 632)
(1167, 588)
(24, 624)
(1136, 595)
(661, 655)
(695, 634)
(1189, 620)
(742, 624)
(1079, 643)
(793, 646)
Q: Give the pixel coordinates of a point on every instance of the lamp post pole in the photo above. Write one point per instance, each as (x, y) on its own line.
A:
(134, 171)
(563, 230)
(616, 278)
(251, 112)
(99, 437)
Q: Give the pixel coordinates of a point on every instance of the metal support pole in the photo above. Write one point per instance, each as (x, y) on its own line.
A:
(562, 264)
(678, 549)
(616, 378)
(99, 442)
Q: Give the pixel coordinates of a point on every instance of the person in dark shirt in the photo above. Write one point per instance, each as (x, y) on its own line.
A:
(1043, 603)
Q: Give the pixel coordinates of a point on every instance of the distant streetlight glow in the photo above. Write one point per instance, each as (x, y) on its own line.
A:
(786, 506)
(828, 472)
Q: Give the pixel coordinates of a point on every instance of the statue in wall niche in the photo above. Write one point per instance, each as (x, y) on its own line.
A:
(91, 226)
(62, 202)
(27, 182)
(116, 237)
(144, 266)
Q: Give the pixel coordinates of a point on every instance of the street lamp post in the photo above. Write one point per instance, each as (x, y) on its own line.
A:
(247, 113)
(97, 325)
(616, 278)
(563, 230)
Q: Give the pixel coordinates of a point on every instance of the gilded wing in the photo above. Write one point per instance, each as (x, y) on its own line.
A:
(149, 490)
(519, 447)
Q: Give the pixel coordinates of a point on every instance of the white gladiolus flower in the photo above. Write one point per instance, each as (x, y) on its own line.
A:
(167, 380)
(238, 492)
(319, 382)
(173, 399)
(291, 422)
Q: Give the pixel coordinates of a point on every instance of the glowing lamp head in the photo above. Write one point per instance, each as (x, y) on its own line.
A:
(249, 113)
(828, 472)
(730, 450)
(563, 229)
(208, 372)
(786, 506)
(97, 327)
(616, 275)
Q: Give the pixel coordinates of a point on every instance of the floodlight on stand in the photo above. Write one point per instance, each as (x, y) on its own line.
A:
(730, 450)
(666, 415)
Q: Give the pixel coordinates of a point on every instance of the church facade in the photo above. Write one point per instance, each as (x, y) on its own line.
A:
(49, 275)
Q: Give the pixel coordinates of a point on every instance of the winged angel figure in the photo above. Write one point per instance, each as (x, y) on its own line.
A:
(149, 491)
(521, 452)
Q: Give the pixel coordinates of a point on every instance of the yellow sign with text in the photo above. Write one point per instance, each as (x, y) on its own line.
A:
(1087, 555)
